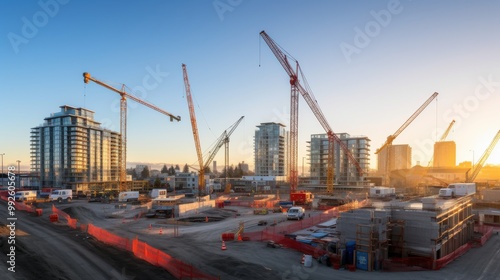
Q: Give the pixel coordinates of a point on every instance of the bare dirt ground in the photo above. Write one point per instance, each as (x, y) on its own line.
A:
(54, 251)
(199, 244)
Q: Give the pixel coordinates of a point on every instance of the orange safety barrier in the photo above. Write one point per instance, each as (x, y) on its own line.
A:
(141, 250)
(72, 223)
(109, 238)
(21, 206)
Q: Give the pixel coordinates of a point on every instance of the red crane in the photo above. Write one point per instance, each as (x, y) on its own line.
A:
(201, 177)
(306, 92)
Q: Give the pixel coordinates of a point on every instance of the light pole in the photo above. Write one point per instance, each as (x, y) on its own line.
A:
(2, 166)
(18, 174)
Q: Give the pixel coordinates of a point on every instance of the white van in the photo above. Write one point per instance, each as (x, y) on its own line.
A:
(25, 196)
(60, 195)
(295, 213)
(128, 196)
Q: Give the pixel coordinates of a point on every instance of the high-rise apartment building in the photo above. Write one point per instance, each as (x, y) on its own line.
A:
(270, 148)
(345, 173)
(71, 150)
(400, 158)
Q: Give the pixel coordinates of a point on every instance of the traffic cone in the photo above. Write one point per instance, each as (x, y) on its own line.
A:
(239, 237)
(303, 259)
(223, 246)
(161, 231)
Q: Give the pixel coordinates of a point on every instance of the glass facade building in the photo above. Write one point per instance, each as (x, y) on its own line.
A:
(270, 149)
(345, 173)
(71, 150)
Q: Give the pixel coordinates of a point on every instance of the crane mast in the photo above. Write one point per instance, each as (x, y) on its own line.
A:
(388, 143)
(223, 140)
(484, 157)
(194, 127)
(123, 121)
(306, 93)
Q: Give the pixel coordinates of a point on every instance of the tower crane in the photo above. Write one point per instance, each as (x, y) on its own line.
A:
(194, 127)
(123, 120)
(305, 91)
(388, 143)
(483, 159)
(223, 140)
(445, 134)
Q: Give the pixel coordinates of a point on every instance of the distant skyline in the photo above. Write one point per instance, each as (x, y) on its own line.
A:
(370, 65)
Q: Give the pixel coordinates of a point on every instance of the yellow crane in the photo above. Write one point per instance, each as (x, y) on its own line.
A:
(123, 120)
(388, 143)
(482, 160)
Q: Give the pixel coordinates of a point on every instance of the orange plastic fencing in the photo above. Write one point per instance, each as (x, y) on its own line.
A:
(140, 249)
(23, 207)
(157, 257)
(20, 206)
(72, 223)
(407, 264)
(486, 231)
(419, 263)
(109, 238)
(442, 262)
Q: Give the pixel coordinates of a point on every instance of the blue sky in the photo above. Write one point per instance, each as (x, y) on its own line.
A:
(370, 65)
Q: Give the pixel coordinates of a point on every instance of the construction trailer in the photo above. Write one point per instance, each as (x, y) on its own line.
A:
(301, 198)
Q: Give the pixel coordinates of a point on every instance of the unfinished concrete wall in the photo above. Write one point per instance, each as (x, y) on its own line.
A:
(420, 231)
(348, 221)
(182, 210)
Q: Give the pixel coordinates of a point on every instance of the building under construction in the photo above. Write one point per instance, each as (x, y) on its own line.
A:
(429, 227)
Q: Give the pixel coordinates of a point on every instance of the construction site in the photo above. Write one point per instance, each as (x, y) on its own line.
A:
(349, 222)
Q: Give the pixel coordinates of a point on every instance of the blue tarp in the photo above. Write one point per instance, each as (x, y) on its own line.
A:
(319, 234)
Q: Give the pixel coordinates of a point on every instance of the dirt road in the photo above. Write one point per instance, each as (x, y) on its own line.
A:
(50, 251)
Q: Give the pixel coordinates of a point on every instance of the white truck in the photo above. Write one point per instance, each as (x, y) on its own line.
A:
(463, 189)
(25, 196)
(458, 189)
(128, 196)
(158, 193)
(60, 195)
